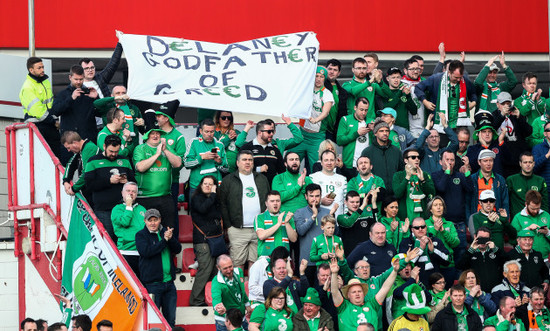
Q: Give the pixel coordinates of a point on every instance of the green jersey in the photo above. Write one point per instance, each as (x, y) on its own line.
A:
(538, 124)
(367, 90)
(89, 149)
(323, 244)
(523, 220)
(271, 319)
(176, 143)
(348, 137)
(394, 237)
(497, 227)
(231, 149)
(292, 194)
(501, 324)
(530, 108)
(363, 186)
(350, 315)
(230, 292)
(127, 221)
(403, 104)
(265, 221)
(155, 181)
(199, 167)
(106, 132)
(281, 144)
(519, 184)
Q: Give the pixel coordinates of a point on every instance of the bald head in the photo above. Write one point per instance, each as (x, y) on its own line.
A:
(378, 234)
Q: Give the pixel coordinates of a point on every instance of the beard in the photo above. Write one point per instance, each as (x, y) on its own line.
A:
(292, 170)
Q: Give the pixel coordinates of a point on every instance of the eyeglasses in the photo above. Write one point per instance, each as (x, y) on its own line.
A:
(363, 267)
(226, 118)
(279, 298)
(268, 131)
(414, 157)
(419, 227)
(89, 68)
(360, 68)
(453, 91)
(488, 200)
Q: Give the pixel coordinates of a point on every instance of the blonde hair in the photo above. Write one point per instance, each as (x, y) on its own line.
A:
(328, 219)
(323, 146)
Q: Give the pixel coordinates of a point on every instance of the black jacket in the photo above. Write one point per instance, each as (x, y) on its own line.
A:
(76, 115)
(150, 255)
(488, 266)
(342, 103)
(533, 269)
(439, 257)
(445, 320)
(298, 288)
(104, 77)
(206, 214)
(269, 155)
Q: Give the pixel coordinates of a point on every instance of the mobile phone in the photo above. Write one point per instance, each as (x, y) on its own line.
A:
(214, 150)
(482, 240)
(85, 90)
(331, 195)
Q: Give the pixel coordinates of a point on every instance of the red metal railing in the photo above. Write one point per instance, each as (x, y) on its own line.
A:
(13, 205)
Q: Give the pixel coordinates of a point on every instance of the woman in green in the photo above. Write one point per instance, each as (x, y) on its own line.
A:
(396, 229)
(443, 230)
(226, 134)
(274, 314)
(440, 297)
(478, 300)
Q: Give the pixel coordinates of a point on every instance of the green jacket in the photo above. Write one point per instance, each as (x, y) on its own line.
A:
(368, 91)
(176, 143)
(292, 195)
(403, 104)
(501, 324)
(199, 167)
(231, 149)
(281, 144)
(36, 98)
(448, 236)
(385, 160)
(131, 113)
(401, 191)
(124, 150)
(89, 149)
(523, 220)
(127, 221)
(498, 228)
(231, 296)
(519, 184)
(347, 137)
(394, 237)
(538, 124)
(483, 89)
(531, 109)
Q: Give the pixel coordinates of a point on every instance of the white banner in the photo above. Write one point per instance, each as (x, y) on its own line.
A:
(266, 76)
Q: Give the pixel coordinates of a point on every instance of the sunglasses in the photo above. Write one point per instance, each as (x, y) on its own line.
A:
(453, 91)
(414, 157)
(268, 131)
(226, 118)
(547, 130)
(488, 200)
(419, 227)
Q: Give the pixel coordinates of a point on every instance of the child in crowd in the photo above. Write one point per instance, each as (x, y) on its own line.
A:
(323, 247)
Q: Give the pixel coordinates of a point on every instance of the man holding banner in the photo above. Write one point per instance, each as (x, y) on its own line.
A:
(311, 128)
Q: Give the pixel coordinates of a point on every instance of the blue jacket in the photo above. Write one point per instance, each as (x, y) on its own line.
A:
(501, 151)
(501, 194)
(431, 87)
(453, 189)
(308, 229)
(405, 137)
(150, 255)
(430, 159)
(379, 258)
(542, 164)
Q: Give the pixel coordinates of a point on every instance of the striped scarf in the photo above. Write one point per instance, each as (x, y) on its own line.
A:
(489, 95)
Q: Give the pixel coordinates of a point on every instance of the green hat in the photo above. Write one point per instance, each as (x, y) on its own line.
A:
(526, 233)
(312, 296)
(322, 70)
(415, 300)
(401, 257)
(169, 109)
(146, 135)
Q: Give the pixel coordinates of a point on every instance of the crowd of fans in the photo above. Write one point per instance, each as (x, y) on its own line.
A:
(403, 202)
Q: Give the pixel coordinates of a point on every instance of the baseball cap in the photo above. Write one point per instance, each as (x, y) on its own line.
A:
(486, 153)
(503, 97)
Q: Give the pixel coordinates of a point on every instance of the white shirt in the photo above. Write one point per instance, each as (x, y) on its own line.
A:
(251, 201)
(332, 183)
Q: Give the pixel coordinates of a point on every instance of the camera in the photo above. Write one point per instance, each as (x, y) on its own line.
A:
(85, 90)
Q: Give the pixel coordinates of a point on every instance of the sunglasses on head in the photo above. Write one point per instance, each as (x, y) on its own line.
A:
(225, 118)
(419, 227)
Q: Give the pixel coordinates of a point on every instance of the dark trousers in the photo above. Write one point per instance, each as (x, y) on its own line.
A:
(205, 273)
(105, 219)
(165, 297)
(51, 135)
(133, 262)
(165, 205)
